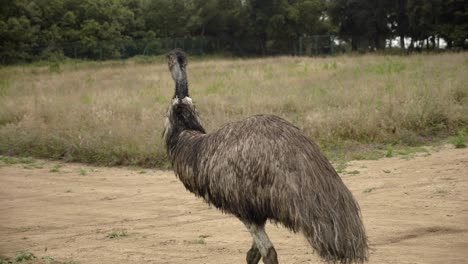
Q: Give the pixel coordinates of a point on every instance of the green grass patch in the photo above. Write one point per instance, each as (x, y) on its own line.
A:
(389, 152)
(16, 160)
(33, 166)
(369, 190)
(24, 255)
(83, 172)
(354, 172)
(369, 154)
(114, 234)
(341, 166)
(56, 168)
(200, 240)
(459, 141)
(5, 85)
(407, 150)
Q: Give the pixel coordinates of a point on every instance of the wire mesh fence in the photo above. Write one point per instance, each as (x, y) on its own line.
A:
(316, 45)
(121, 49)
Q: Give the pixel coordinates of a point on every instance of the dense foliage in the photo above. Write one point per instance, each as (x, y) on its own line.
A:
(100, 29)
(369, 23)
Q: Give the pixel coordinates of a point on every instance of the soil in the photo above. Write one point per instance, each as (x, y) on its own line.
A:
(415, 210)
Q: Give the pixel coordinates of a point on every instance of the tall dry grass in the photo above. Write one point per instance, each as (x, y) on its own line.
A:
(113, 112)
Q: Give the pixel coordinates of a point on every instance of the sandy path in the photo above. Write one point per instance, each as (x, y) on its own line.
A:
(415, 211)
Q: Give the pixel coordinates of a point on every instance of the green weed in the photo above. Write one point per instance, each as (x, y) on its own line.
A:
(54, 67)
(24, 255)
(116, 234)
(56, 168)
(369, 154)
(83, 172)
(5, 260)
(389, 153)
(410, 150)
(340, 167)
(354, 172)
(31, 167)
(460, 140)
(200, 240)
(48, 259)
(5, 85)
(28, 257)
(16, 160)
(368, 190)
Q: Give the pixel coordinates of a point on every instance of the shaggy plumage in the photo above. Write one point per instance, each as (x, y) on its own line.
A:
(263, 168)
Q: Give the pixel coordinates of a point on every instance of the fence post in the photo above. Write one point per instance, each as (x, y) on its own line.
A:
(316, 44)
(201, 43)
(332, 44)
(144, 50)
(300, 46)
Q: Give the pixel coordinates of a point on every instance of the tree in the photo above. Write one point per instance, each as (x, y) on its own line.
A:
(363, 23)
(17, 39)
(453, 23)
(423, 16)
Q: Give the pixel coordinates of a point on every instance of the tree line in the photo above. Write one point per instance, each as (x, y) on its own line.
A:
(104, 29)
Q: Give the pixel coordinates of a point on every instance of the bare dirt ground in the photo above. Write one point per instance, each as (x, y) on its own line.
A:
(415, 211)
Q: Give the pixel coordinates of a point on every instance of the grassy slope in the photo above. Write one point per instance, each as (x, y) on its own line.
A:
(113, 113)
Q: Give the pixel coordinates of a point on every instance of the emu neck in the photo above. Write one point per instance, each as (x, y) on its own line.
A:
(182, 116)
(181, 88)
(180, 78)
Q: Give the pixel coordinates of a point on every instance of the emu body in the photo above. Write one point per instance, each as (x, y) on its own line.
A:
(263, 168)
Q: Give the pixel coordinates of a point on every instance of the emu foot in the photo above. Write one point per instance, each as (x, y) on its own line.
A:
(271, 257)
(253, 255)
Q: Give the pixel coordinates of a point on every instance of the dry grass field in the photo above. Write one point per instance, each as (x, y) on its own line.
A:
(112, 113)
(414, 205)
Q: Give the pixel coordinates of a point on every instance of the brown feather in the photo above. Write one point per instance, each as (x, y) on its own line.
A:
(263, 168)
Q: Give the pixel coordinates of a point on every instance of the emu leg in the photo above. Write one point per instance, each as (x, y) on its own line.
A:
(253, 255)
(262, 243)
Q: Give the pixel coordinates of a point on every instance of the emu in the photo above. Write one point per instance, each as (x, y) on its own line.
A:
(263, 168)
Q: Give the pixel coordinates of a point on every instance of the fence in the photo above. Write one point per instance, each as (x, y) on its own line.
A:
(100, 50)
(316, 45)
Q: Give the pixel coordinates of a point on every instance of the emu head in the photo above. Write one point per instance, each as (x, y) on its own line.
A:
(177, 62)
(181, 114)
